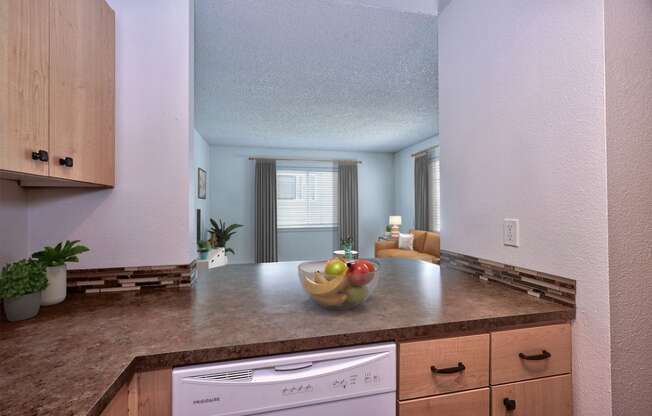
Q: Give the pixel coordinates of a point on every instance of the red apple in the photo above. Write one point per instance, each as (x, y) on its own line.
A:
(370, 265)
(358, 274)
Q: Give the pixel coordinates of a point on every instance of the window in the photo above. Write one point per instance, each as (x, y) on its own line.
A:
(306, 198)
(435, 202)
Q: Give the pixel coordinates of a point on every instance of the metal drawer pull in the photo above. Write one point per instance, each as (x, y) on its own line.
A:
(543, 356)
(509, 404)
(450, 370)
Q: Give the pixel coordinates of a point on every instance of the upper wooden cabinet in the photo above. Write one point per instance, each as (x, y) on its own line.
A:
(57, 81)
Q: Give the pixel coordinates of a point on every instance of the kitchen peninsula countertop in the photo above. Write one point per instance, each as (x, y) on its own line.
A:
(74, 357)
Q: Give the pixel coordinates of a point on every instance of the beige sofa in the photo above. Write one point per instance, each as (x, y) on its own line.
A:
(426, 247)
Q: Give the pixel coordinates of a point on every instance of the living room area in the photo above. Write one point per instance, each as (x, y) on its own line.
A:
(302, 149)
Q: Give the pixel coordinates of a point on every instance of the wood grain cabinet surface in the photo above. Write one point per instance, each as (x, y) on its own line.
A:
(524, 354)
(523, 371)
(443, 365)
(57, 80)
(541, 397)
(148, 393)
(468, 403)
(24, 84)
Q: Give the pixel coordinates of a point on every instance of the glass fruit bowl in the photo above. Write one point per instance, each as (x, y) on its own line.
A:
(336, 284)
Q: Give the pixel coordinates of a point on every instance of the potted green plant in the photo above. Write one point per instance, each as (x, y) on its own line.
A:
(55, 259)
(388, 231)
(347, 245)
(203, 247)
(21, 284)
(221, 234)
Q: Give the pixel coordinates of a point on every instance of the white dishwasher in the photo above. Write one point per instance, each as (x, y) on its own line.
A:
(335, 382)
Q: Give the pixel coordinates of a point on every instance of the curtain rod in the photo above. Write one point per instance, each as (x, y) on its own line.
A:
(425, 150)
(303, 160)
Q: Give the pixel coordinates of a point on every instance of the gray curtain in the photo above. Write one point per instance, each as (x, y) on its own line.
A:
(422, 192)
(266, 242)
(347, 176)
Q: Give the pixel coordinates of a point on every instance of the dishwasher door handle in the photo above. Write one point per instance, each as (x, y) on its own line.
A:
(293, 367)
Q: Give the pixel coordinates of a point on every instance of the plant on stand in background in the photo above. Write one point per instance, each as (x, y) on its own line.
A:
(347, 245)
(388, 231)
(221, 234)
(21, 284)
(55, 259)
(203, 247)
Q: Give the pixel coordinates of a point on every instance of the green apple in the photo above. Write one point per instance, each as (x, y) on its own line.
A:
(355, 295)
(335, 267)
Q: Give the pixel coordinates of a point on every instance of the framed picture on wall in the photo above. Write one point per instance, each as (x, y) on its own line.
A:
(201, 183)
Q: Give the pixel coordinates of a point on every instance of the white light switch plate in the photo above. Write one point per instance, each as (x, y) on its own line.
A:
(510, 232)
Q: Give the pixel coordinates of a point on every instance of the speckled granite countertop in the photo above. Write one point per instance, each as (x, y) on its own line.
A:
(73, 357)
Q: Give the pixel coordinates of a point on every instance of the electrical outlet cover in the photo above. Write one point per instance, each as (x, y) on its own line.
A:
(510, 232)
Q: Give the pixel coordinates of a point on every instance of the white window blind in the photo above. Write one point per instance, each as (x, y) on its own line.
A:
(435, 202)
(306, 198)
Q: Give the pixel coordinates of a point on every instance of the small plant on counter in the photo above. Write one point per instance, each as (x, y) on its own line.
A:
(221, 234)
(21, 284)
(388, 229)
(62, 253)
(203, 247)
(55, 259)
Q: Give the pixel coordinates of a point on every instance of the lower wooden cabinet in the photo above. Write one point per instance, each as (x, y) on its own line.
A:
(149, 393)
(519, 372)
(541, 397)
(468, 403)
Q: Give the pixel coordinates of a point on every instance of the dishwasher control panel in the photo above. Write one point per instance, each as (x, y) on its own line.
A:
(254, 386)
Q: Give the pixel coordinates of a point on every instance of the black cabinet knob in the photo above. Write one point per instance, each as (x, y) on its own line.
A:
(66, 161)
(509, 404)
(41, 155)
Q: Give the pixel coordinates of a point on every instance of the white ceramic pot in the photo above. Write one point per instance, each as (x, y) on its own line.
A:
(217, 257)
(57, 282)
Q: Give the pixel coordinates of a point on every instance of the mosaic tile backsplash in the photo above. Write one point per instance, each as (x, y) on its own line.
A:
(130, 279)
(539, 284)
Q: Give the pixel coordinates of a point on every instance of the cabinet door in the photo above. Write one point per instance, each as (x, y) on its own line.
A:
(82, 77)
(542, 397)
(468, 403)
(24, 40)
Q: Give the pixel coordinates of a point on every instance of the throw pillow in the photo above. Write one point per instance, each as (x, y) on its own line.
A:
(405, 241)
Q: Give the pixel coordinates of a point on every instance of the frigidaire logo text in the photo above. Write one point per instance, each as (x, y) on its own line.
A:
(205, 401)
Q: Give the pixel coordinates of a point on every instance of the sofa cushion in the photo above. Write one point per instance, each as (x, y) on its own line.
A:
(419, 239)
(431, 245)
(406, 254)
(406, 241)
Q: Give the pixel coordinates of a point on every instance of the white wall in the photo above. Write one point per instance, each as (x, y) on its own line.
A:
(522, 114)
(404, 181)
(13, 222)
(629, 162)
(232, 187)
(145, 219)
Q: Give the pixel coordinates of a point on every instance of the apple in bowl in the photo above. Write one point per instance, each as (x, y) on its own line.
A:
(335, 284)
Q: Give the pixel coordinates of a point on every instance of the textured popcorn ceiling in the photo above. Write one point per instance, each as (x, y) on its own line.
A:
(323, 74)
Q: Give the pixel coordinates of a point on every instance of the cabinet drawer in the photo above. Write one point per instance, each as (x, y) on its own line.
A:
(440, 366)
(524, 354)
(468, 403)
(543, 397)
